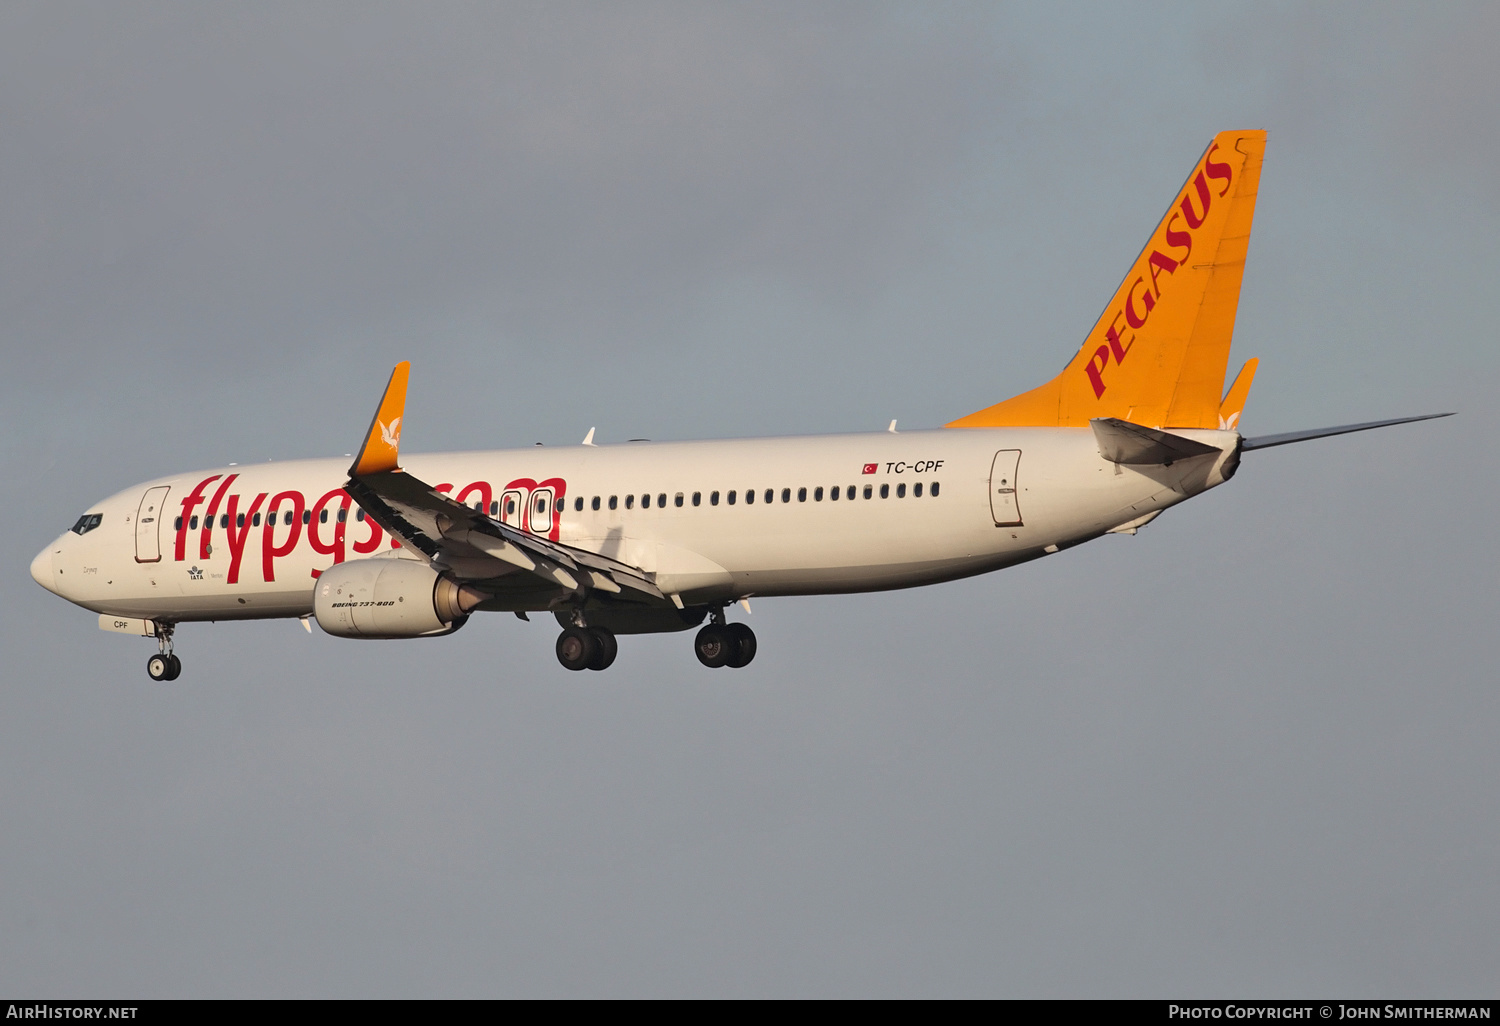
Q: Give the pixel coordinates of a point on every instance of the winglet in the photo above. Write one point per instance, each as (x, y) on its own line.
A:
(384, 437)
(1234, 400)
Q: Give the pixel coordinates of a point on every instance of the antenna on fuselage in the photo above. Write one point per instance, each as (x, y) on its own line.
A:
(588, 439)
(892, 428)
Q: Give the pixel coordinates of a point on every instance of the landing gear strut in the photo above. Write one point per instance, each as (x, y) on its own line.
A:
(164, 665)
(587, 648)
(725, 644)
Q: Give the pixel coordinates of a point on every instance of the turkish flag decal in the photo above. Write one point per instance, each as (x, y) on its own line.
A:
(870, 468)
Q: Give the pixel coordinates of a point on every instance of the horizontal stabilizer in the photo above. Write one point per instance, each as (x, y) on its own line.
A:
(1266, 441)
(1123, 442)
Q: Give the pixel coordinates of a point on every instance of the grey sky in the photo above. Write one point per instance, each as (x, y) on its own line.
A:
(1249, 751)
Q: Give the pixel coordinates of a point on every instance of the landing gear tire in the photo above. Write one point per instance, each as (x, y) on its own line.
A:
(715, 645)
(744, 645)
(577, 647)
(159, 667)
(606, 648)
(174, 669)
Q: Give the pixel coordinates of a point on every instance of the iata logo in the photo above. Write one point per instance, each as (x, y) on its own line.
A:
(1142, 296)
(195, 574)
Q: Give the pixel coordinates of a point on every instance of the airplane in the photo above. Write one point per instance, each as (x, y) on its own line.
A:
(645, 537)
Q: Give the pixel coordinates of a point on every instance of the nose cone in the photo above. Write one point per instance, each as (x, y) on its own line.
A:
(41, 569)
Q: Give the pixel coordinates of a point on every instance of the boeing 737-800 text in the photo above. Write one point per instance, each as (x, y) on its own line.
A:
(643, 537)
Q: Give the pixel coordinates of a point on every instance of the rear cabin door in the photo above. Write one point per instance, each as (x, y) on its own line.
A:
(148, 525)
(1003, 493)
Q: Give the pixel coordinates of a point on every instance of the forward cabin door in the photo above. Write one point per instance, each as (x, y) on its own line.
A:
(1003, 493)
(148, 525)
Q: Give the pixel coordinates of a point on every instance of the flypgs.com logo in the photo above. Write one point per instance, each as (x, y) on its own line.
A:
(1141, 298)
(293, 521)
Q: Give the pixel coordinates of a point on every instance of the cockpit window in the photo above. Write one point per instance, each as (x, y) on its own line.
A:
(87, 523)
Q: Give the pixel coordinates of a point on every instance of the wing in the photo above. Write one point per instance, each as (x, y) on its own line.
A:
(465, 543)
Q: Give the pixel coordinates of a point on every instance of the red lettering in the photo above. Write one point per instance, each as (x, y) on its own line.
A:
(188, 505)
(371, 543)
(1195, 219)
(269, 550)
(208, 518)
(1160, 264)
(1218, 171)
(239, 533)
(485, 495)
(1116, 346)
(1179, 238)
(1132, 318)
(1095, 370)
(336, 547)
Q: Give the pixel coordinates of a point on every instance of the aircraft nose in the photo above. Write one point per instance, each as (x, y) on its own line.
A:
(41, 569)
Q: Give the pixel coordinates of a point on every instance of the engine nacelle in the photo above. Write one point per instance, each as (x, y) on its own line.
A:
(390, 598)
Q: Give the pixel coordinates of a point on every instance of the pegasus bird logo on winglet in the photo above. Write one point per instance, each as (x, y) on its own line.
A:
(391, 435)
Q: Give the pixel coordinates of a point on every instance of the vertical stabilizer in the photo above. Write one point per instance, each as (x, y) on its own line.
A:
(1158, 354)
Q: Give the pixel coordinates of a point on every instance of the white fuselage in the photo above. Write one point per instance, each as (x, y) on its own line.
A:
(927, 506)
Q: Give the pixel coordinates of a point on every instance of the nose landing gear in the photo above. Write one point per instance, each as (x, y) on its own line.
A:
(164, 665)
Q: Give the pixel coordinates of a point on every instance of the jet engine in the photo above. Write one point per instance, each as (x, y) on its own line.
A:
(391, 598)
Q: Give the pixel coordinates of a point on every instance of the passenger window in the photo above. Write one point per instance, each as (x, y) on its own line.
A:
(307, 516)
(359, 515)
(322, 516)
(730, 497)
(802, 494)
(817, 494)
(614, 502)
(770, 494)
(934, 489)
(177, 524)
(646, 501)
(678, 500)
(868, 491)
(833, 493)
(224, 519)
(901, 490)
(885, 491)
(713, 499)
(749, 497)
(697, 498)
(193, 523)
(287, 520)
(255, 520)
(495, 508)
(630, 502)
(510, 507)
(594, 503)
(541, 505)
(343, 514)
(661, 500)
(578, 504)
(916, 490)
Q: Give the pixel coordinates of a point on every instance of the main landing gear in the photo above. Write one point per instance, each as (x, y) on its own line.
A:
(164, 665)
(725, 644)
(587, 648)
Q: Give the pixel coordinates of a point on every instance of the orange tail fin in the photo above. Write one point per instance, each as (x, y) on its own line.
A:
(1158, 354)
